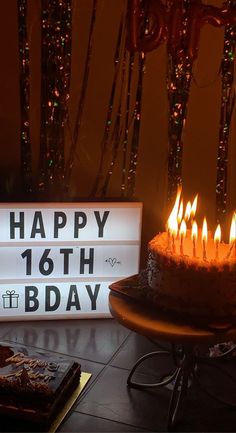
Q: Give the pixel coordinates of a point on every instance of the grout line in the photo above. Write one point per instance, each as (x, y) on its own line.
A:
(114, 421)
(87, 389)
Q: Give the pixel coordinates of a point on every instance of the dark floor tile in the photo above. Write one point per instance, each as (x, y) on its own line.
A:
(137, 346)
(90, 339)
(79, 422)
(202, 414)
(111, 399)
(90, 367)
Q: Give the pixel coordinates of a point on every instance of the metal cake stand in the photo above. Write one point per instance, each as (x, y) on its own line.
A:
(185, 339)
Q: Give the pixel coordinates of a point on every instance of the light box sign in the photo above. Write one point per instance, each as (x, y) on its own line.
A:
(58, 259)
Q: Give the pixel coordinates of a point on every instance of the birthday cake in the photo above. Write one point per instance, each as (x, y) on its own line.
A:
(189, 274)
(190, 285)
(34, 385)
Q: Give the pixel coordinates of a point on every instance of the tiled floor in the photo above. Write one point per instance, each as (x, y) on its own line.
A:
(108, 351)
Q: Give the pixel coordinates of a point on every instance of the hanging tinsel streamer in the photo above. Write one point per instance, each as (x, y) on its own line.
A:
(78, 118)
(126, 136)
(127, 124)
(109, 115)
(55, 80)
(179, 73)
(131, 180)
(26, 163)
(227, 106)
(117, 131)
(134, 133)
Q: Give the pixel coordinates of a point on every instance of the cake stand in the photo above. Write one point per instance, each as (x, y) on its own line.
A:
(184, 336)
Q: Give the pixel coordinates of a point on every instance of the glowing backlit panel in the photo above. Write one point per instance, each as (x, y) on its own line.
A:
(58, 259)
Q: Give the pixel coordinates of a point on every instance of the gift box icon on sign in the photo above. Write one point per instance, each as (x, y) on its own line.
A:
(10, 299)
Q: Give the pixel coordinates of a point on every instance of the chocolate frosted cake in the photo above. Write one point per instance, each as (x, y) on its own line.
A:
(34, 385)
(190, 271)
(187, 285)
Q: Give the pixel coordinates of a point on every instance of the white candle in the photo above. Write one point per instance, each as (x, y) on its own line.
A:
(182, 232)
(174, 231)
(204, 239)
(217, 239)
(172, 223)
(194, 237)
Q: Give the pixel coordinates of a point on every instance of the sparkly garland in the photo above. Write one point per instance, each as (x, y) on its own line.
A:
(136, 128)
(124, 137)
(26, 163)
(56, 63)
(227, 105)
(108, 123)
(127, 125)
(117, 132)
(179, 74)
(80, 109)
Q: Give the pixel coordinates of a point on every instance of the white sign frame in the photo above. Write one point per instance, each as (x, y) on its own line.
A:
(58, 259)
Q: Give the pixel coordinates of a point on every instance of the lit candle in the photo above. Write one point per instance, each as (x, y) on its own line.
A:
(232, 237)
(172, 220)
(182, 232)
(174, 233)
(187, 211)
(168, 239)
(194, 237)
(204, 239)
(194, 207)
(180, 213)
(217, 239)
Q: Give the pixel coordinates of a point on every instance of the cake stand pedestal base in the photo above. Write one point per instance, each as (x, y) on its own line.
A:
(185, 338)
(187, 364)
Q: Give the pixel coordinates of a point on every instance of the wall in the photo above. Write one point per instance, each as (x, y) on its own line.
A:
(202, 126)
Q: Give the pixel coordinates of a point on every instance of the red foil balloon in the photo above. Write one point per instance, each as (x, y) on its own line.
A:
(199, 15)
(139, 38)
(167, 24)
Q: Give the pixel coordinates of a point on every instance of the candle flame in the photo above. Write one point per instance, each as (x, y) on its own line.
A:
(204, 230)
(194, 207)
(187, 211)
(180, 213)
(194, 230)
(183, 229)
(232, 235)
(173, 227)
(172, 220)
(217, 235)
